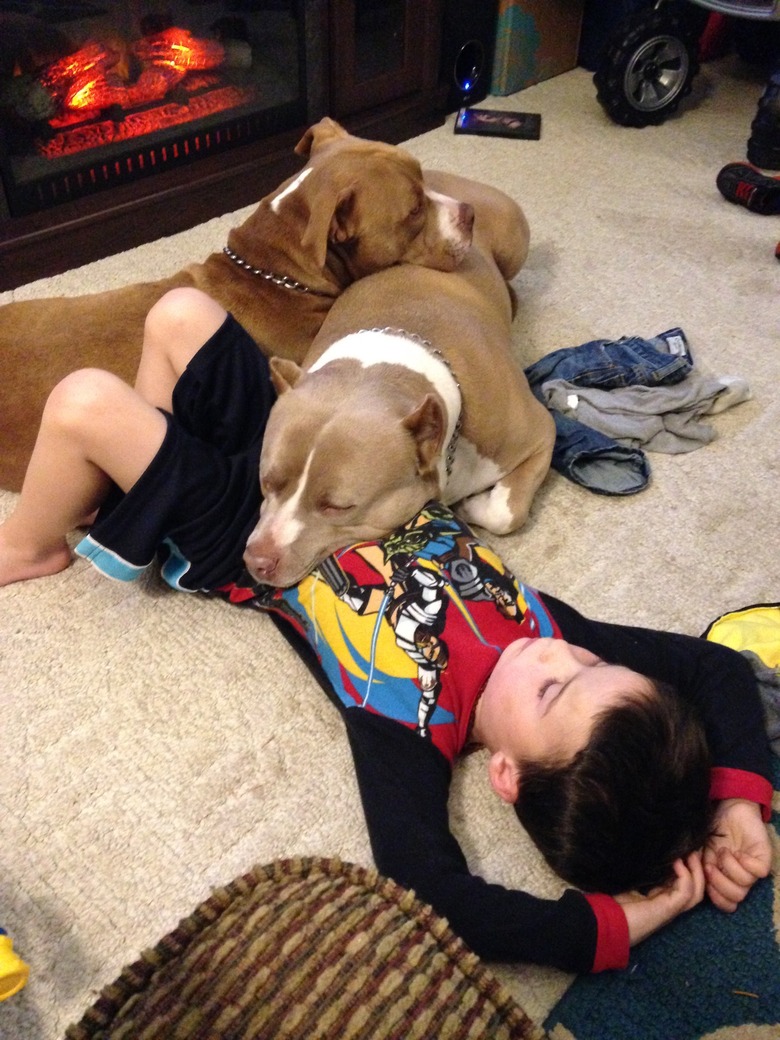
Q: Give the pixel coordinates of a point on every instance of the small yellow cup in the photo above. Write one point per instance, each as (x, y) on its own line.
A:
(13, 971)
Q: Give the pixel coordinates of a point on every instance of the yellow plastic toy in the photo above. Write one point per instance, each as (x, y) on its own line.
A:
(13, 971)
(755, 628)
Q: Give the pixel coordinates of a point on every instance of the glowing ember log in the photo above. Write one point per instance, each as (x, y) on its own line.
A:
(88, 90)
(152, 85)
(91, 78)
(59, 77)
(136, 124)
(178, 49)
(96, 91)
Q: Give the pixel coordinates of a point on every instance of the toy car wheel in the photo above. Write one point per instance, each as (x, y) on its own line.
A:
(648, 67)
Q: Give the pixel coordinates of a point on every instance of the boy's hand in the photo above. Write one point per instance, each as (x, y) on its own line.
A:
(737, 854)
(646, 914)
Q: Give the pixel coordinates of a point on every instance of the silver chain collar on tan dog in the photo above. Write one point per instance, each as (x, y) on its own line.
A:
(269, 276)
(453, 445)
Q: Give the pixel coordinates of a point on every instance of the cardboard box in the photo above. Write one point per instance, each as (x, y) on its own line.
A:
(535, 39)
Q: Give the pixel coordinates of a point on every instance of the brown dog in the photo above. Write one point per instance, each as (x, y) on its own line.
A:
(356, 207)
(430, 404)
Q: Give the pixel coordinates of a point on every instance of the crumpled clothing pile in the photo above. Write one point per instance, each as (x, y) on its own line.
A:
(612, 400)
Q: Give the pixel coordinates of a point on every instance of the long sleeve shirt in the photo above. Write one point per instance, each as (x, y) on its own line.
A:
(403, 635)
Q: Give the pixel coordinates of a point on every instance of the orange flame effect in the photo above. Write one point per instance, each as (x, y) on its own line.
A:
(90, 78)
(178, 49)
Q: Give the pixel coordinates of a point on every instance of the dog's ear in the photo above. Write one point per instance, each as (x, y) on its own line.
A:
(426, 424)
(326, 130)
(328, 221)
(284, 374)
(343, 219)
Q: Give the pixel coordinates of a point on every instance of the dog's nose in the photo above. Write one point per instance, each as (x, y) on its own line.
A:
(260, 567)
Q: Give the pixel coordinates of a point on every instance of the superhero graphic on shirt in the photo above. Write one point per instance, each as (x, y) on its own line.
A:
(411, 626)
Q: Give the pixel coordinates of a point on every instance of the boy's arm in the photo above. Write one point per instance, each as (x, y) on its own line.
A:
(718, 680)
(647, 913)
(404, 785)
(737, 854)
(722, 683)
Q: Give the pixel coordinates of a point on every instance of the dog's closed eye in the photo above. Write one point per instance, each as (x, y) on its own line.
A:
(270, 485)
(331, 508)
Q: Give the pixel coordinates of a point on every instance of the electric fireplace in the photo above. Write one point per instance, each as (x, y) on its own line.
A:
(122, 121)
(95, 94)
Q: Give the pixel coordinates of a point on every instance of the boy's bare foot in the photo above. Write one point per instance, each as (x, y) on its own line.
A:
(18, 564)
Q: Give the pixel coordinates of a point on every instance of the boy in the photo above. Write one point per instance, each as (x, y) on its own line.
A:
(432, 646)
(466, 655)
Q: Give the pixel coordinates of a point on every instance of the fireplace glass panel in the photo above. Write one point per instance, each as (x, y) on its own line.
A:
(95, 93)
(380, 26)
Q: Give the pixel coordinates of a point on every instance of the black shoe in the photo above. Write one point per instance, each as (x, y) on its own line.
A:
(747, 186)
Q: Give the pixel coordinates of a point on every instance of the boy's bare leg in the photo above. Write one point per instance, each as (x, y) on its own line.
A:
(176, 328)
(95, 429)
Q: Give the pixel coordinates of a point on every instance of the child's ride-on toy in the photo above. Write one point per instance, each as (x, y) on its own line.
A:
(650, 62)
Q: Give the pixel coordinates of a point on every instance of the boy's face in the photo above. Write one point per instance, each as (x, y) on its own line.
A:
(541, 699)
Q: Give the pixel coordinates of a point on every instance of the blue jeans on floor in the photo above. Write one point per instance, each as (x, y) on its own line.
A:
(583, 454)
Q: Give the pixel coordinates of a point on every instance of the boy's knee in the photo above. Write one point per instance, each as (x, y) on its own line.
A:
(181, 314)
(81, 397)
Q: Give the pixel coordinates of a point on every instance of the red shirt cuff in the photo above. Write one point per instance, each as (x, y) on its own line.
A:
(736, 783)
(612, 942)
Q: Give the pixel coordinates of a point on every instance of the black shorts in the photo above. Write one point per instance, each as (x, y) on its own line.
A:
(199, 499)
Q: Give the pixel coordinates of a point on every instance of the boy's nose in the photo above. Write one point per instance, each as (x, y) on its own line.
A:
(551, 649)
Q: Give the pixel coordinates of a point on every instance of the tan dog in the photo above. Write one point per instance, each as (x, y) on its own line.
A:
(378, 422)
(356, 207)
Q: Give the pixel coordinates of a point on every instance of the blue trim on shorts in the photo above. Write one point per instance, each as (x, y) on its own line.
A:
(107, 561)
(175, 567)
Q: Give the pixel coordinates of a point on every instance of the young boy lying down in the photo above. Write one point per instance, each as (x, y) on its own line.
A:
(636, 759)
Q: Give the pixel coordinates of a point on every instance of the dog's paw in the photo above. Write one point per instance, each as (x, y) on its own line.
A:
(491, 509)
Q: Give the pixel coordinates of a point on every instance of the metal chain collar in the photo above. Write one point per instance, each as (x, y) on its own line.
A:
(269, 276)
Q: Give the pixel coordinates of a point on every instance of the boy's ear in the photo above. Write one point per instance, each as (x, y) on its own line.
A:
(504, 774)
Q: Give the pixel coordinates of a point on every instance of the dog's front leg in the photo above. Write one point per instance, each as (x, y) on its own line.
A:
(504, 507)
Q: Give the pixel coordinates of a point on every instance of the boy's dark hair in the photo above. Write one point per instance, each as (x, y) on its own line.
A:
(629, 803)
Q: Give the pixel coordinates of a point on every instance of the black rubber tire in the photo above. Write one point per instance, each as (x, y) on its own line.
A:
(649, 65)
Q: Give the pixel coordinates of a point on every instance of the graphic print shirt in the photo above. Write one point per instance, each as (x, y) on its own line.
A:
(411, 627)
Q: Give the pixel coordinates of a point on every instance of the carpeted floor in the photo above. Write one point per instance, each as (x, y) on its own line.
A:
(155, 745)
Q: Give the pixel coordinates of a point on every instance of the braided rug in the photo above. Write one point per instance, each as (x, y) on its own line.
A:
(307, 948)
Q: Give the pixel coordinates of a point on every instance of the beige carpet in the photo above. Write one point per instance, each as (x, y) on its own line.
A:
(156, 745)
